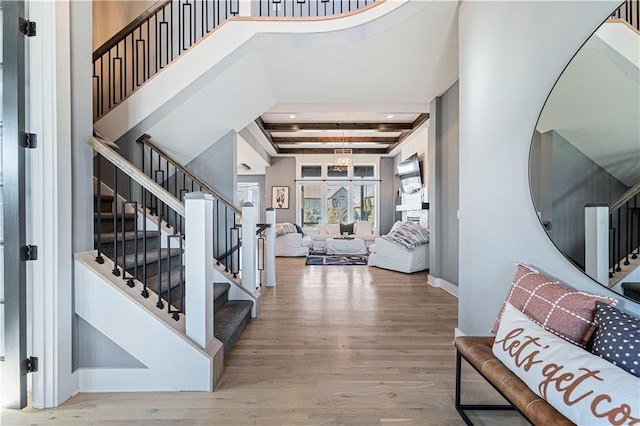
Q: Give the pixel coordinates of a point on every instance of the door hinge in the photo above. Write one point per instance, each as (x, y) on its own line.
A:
(32, 364)
(28, 140)
(28, 253)
(26, 27)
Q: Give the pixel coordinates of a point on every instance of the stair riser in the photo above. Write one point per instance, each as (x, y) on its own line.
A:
(152, 267)
(232, 341)
(220, 301)
(106, 225)
(129, 246)
(106, 206)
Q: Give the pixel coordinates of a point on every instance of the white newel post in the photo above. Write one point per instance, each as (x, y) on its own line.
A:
(249, 253)
(199, 267)
(596, 242)
(270, 249)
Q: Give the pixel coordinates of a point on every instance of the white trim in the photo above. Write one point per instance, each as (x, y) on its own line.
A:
(443, 284)
(50, 191)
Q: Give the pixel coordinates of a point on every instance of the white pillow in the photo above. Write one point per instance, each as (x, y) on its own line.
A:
(333, 228)
(321, 228)
(585, 388)
(363, 228)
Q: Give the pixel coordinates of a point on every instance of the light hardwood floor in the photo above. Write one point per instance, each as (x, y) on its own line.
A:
(334, 345)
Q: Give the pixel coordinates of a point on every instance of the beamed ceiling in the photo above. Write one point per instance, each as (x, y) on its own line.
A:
(321, 133)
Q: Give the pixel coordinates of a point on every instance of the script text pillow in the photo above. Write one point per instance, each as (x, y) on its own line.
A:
(617, 338)
(559, 309)
(583, 387)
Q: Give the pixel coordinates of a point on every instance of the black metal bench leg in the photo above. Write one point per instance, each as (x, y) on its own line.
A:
(461, 407)
(464, 416)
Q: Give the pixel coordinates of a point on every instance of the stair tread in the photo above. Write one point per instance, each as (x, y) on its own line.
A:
(119, 215)
(108, 237)
(219, 289)
(229, 317)
(152, 256)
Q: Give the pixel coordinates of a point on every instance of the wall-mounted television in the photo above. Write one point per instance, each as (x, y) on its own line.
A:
(410, 175)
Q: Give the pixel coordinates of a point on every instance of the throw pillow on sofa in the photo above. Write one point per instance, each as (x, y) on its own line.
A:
(564, 311)
(583, 387)
(617, 338)
(362, 227)
(346, 227)
(332, 228)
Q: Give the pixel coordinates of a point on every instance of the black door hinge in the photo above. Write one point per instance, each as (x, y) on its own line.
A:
(28, 140)
(27, 28)
(28, 253)
(32, 364)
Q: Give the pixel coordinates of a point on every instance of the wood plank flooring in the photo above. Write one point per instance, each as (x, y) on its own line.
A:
(334, 345)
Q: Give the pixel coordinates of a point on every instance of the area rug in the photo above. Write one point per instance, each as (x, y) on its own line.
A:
(320, 258)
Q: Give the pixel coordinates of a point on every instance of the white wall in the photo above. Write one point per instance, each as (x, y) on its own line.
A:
(510, 55)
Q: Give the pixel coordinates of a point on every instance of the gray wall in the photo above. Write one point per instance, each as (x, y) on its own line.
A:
(575, 181)
(101, 352)
(443, 186)
(282, 173)
(263, 202)
(388, 193)
(216, 165)
(503, 86)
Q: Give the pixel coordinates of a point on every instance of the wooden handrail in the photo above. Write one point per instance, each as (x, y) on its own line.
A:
(134, 173)
(632, 192)
(145, 139)
(117, 37)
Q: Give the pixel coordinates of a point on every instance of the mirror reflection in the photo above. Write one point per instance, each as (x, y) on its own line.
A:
(585, 158)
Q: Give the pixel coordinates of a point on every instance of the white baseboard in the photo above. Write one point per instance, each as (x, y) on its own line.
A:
(457, 332)
(443, 284)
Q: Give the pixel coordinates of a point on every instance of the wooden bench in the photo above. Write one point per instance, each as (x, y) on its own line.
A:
(477, 352)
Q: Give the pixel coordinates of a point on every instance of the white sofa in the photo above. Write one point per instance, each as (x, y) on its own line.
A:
(292, 245)
(324, 231)
(388, 255)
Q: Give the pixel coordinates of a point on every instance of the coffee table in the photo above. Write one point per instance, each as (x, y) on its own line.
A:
(345, 246)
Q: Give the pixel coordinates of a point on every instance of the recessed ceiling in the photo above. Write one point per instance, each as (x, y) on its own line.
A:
(300, 132)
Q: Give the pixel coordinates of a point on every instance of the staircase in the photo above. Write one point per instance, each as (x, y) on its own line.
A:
(162, 270)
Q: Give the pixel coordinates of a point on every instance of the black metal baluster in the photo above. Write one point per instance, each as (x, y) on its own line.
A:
(99, 258)
(115, 270)
(216, 228)
(618, 246)
(627, 233)
(159, 304)
(226, 241)
(637, 216)
(145, 291)
(261, 247)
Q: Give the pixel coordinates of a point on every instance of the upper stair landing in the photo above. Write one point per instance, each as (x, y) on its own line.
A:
(194, 75)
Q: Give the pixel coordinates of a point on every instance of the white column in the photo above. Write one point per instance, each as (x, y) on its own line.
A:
(245, 8)
(249, 253)
(270, 249)
(199, 267)
(596, 242)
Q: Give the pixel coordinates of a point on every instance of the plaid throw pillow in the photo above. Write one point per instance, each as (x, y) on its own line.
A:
(561, 310)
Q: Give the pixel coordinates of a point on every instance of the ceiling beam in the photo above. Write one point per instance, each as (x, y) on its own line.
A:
(267, 134)
(335, 139)
(416, 123)
(294, 127)
(379, 151)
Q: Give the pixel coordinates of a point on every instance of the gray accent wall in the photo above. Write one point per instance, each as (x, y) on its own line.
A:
(387, 195)
(282, 173)
(216, 165)
(443, 185)
(102, 352)
(574, 181)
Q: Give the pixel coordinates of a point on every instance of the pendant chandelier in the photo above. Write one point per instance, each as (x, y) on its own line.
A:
(342, 157)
